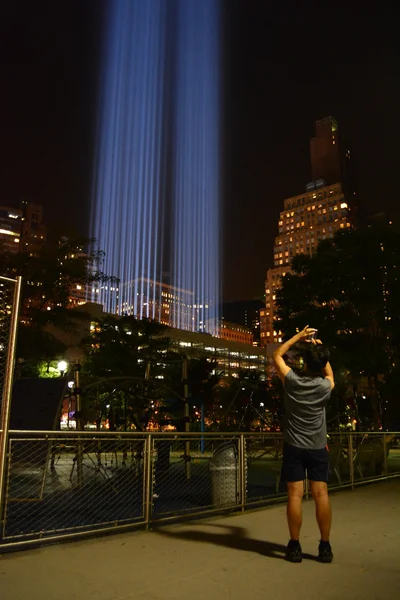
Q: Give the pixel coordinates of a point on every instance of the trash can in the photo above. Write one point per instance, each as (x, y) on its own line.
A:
(224, 476)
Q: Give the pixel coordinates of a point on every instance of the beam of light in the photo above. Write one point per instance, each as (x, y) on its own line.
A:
(158, 144)
(196, 252)
(126, 217)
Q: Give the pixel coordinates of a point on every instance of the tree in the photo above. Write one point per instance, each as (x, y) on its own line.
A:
(123, 370)
(350, 291)
(48, 276)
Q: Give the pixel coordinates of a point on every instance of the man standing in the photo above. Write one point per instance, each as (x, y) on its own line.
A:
(305, 438)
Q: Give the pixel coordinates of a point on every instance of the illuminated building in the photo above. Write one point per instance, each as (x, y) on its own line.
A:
(231, 357)
(235, 333)
(10, 229)
(326, 152)
(170, 305)
(33, 232)
(310, 217)
(22, 229)
(245, 312)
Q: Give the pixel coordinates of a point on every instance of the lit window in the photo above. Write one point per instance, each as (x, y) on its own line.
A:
(343, 205)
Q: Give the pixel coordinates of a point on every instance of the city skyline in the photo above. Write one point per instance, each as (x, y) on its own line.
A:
(282, 72)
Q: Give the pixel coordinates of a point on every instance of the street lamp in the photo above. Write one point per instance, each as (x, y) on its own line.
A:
(62, 367)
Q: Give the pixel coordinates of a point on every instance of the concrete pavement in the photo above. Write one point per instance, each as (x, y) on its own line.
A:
(236, 557)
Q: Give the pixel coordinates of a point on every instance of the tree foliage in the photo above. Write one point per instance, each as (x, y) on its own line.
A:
(350, 291)
(123, 369)
(48, 276)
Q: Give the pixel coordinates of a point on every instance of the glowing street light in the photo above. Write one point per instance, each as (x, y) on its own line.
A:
(62, 367)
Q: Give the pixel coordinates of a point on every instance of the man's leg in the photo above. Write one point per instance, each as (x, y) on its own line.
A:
(293, 473)
(319, 491)
(294, 511)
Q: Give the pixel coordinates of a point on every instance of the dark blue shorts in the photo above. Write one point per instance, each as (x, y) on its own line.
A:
(299, 463)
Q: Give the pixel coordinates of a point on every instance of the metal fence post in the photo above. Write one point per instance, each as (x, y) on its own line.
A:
(147, 480)
(242, 471)
(351, 462)
(385, 457)
(7, 388)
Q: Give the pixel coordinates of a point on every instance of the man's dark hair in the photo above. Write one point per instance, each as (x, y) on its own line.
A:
(315, 358)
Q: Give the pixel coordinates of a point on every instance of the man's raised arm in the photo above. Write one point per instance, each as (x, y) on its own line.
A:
(281, 367)
(328, 374)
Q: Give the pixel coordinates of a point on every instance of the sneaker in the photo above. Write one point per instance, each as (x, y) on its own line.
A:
(325, 552)
(293, 552)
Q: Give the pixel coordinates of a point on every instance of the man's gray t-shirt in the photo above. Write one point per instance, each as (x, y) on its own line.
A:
(304, 422)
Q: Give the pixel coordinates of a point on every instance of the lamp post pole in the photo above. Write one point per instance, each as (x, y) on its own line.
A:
(185, 381)
(78, 420)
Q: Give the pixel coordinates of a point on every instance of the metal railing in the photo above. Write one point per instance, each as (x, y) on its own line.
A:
(64, 484)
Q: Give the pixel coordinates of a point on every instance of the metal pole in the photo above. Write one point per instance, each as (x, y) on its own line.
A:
(351, 462)
(385, 461)
(78, 417)
(147, 480)
(242, 471)
(7, 388)
(202, 427)
(186, 415)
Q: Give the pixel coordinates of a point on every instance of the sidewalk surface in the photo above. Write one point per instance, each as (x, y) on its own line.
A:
(236, 557)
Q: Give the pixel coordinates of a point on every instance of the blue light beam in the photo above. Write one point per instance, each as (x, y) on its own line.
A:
(196, 261)
(127, 219)
(161, 60)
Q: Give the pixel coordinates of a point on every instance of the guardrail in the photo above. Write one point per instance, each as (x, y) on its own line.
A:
(69, 484)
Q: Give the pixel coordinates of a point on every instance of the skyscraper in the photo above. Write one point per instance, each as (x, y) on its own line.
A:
(325, 150)
(310, 217)
(22, 229)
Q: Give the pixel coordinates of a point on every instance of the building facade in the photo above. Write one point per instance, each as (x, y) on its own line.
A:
(245, 312)
(310, 217)
(22, 229)
(235, 333)
(33, 231)
(171, 306)
(231, 357)
(10, 229)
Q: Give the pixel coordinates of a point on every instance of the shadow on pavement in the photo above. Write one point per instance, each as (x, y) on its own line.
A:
(231, 537)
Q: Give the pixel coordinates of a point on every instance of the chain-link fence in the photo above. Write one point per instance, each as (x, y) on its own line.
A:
(60, 483)
(67, 483)
(194, 475)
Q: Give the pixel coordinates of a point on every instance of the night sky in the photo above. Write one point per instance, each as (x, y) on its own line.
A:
(281, 71)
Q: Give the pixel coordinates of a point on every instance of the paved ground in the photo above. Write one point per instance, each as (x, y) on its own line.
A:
(237, 557)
